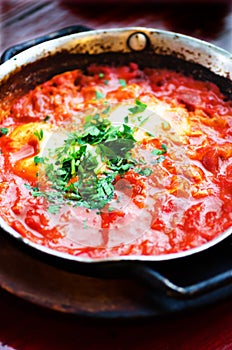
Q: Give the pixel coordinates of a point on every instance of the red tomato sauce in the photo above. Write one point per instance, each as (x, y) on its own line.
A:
(184, 203)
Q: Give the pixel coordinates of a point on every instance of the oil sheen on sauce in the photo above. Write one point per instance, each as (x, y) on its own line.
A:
(172, 193)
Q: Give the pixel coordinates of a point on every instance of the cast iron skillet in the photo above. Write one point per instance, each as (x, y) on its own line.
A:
(143, 45)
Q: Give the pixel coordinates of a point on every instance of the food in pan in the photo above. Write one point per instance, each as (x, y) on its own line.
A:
(118, 161)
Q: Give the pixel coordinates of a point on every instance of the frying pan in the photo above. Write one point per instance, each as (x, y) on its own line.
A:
(25, 65)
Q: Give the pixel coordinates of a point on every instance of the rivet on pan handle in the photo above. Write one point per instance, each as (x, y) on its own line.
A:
(12, 51)
(138, 41)
(160, 283)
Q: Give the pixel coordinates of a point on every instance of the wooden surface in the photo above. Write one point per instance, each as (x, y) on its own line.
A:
(23, 20)
(24, 325)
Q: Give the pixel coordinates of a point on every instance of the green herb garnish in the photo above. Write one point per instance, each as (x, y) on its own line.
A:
(138, 108)
(126, 120)
(84, 170)
(39, 134)
(99, 95)
(3, 131)
(53, 208)
(156, 152)
(87, 164)
(144, 171)
(34, 191)
(122, 82)
(38, 160)
(160, 159)
(106, 111)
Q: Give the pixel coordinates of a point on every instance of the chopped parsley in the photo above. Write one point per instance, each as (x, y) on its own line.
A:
(159, 152)
(87, 164)
(156, 152)
(53, 208)
(39, 134)
(84, 170)
(3, 131)
(138, 108)
(122, 82)
(106, 111)
(38, 160)
(144, 171)
(142, 120)
(99, 95)
(126, 120)
(34, 190)
(160, 159)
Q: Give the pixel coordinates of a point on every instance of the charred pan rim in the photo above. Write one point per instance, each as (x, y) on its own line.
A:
(26, 77)
(163, 49)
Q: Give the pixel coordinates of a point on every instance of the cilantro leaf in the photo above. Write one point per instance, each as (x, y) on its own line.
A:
(38, 160)
(99, 95)
(53, 208)
(3, 131)
(157, 151)
(122, 82)
(138, 108)
(47, 118)
(84, 169)
(144, 171)
(39, 134)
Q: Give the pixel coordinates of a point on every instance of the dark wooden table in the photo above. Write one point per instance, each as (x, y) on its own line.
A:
(24, 325)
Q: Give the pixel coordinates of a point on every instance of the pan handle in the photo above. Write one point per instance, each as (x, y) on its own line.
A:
(12, 51)
(158, 282)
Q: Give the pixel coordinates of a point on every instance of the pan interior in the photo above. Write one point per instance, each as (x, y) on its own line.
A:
(25, 78)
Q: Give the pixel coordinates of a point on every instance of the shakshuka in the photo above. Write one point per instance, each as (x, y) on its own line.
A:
(118, 161)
